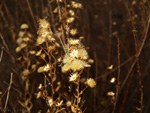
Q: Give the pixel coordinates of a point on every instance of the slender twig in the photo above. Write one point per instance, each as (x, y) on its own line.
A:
(118, 77)
(32, 15)
(7, 49)
(1, 55)
(128, 74)
(8, 91)
(122, 64)
(96, 73)
(78, 93)
(110, 31)
(52, 16)
(9, 20)
(139, 52)
(4, 43)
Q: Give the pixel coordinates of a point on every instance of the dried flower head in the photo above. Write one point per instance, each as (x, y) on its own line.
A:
(40, 69)
(90, 61)
(91, 82)
(111, 93)
(67, 59)
(32, 52)
(21, 34)
(40, 40)
(39, 52)
(71, 12)
(43, 23)
(24, 26)
(74, 41)
(18, 49)
(26, 72)
(65, 68)
(43, 55)
(56, 10)
(46, 68)
(83, 54)
(73, 77)
(74, 53)
(73, 32)
(19, 40)
(40, 86)
(77, 65)
(23, 45)
(26, 39)
(68, 103)
(76, 5)
(39, 94)
(113, 80)
(33, 67)
(50, 101)
(43, 33)
(70, 20)
(43, 68)
(50, 38)
(110, 67)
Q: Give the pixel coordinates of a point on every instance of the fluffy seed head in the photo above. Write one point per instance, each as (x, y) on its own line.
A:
(67, 59)
(68, 103)
(73, 32)
(76, 65)
(91, 82)
(83, 54)
(43, 23)
(74, 53)
(66, 68)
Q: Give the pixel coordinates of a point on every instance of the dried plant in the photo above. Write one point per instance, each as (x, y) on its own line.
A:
(65, 58)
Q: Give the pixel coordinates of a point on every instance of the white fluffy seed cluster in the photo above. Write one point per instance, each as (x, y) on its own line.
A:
(24, 38)
(44, 32)
(91, 82)
(76, 57)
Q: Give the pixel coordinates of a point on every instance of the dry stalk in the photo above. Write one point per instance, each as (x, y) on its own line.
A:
(118, 76)
(8, 92)
(1, 54)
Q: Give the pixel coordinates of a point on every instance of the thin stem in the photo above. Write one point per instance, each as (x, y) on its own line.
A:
(118, 77)
(8, 92)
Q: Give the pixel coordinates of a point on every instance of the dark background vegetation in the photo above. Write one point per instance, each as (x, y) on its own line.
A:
(101, 22)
